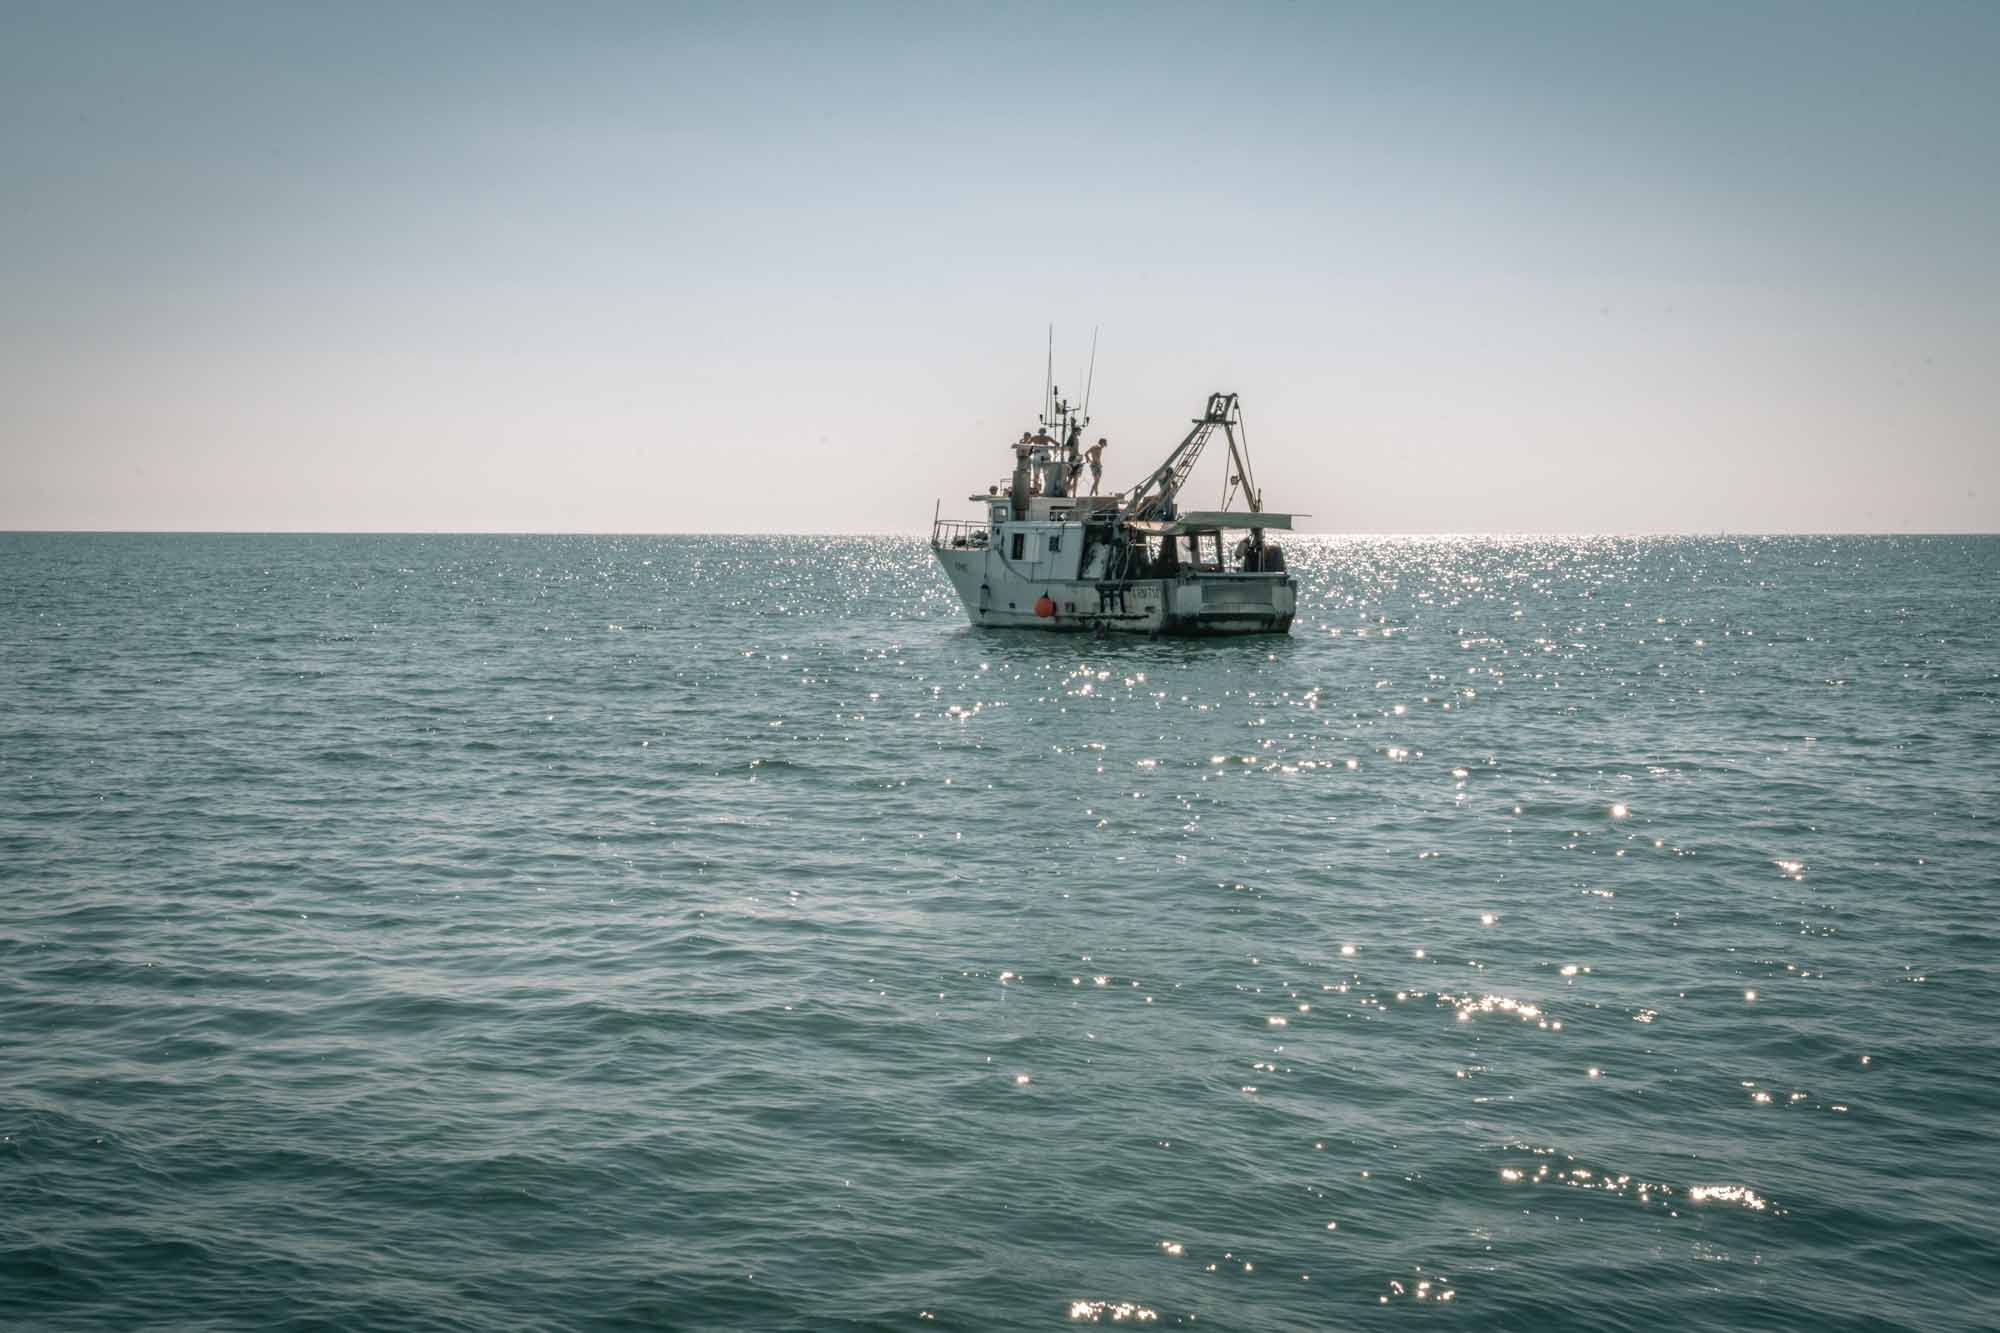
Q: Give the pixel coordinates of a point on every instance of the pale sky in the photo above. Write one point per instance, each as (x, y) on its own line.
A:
(602, 267)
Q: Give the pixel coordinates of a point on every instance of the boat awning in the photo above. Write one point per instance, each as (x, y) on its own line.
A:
(1211, 520)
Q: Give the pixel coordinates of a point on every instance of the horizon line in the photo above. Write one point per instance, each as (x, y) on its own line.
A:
(919, 533)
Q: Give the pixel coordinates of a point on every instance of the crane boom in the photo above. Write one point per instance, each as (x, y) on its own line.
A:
(1152, 495)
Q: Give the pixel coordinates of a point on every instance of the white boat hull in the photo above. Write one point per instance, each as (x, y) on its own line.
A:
(997, 593)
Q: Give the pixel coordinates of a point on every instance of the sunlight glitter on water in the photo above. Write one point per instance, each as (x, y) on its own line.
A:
(447, 827)
(1117, 1312)
(1468, 1005)
(1736, 1194)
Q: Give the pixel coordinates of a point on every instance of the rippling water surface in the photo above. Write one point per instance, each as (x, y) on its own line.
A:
(467, 933)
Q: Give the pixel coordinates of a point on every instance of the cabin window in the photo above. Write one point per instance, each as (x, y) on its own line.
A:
(1059, 515)
(1020, 544)
(1055, 542)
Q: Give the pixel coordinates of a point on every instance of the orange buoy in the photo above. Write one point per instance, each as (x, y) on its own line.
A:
(1044, 607)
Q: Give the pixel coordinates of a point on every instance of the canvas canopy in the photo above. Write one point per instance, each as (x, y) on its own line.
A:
(1212, 520)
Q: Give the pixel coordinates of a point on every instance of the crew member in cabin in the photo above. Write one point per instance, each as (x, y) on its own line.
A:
(1096, 456)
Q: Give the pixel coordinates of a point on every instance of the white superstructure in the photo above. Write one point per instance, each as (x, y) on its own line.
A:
(1044, 557)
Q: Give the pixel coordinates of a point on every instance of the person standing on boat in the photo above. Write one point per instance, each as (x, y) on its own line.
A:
(1096, 456)
(1040, 443)
(1023, 483)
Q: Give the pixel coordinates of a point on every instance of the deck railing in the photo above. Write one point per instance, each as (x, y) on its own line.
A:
(960, 533)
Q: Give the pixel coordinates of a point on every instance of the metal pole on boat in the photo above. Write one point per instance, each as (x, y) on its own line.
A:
(1090, 378)
(1049, 376)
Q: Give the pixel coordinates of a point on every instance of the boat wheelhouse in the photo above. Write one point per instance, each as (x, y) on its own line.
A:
(1044, 557)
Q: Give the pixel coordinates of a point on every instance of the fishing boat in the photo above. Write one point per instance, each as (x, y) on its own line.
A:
(1045, 557)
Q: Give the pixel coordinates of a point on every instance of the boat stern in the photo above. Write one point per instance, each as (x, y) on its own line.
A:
(1232, 604)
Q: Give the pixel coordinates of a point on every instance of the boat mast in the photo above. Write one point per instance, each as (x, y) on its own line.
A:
(1049, 377)
(1062, 422)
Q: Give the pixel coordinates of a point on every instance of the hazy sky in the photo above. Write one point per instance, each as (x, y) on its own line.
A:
(1553, 267)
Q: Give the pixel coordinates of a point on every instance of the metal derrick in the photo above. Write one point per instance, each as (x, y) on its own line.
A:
(1150, 498)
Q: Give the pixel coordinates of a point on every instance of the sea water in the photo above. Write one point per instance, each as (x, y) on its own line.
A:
(717, 932)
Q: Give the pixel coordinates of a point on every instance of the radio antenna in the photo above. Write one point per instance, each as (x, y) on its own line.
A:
(1091, 378)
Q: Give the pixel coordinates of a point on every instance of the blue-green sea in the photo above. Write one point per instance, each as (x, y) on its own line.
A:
(466, 933)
